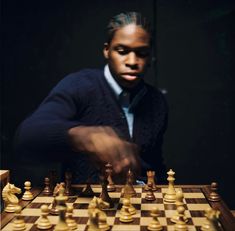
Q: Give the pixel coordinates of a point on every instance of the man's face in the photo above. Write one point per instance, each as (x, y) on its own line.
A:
(128, 55)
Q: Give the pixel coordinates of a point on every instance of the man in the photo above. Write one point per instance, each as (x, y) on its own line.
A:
(93, 117)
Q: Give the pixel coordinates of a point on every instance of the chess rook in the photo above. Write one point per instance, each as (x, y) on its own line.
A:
(151, 179)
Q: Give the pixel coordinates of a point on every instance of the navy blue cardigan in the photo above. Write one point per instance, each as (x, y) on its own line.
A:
(85, 98)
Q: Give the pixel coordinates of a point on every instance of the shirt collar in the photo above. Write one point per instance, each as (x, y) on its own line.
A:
(112, 82)
(119, 91)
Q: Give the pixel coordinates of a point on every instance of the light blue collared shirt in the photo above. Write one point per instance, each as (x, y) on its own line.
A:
(122, 96)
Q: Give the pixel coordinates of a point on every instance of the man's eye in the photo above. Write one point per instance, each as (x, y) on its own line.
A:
(122, 52)
(143, 53)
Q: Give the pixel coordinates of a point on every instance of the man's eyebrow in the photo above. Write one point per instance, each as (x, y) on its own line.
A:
(130, 48)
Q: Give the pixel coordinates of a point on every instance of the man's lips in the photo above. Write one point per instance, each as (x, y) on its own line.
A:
(130, 76)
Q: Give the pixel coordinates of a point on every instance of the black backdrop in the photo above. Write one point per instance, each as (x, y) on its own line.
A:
(42, 41)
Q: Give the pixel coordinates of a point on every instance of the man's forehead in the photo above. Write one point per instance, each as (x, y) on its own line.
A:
(131, 35)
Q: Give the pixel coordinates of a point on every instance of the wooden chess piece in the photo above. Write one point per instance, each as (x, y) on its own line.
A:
(61, 206)
(18, 223)
(69, 218)
(11, 201)
(179, 202)
(47, 191)
(212, 220)
(150, 195)
(129, 190)
(27, 196)
(93, 220)
(180, 224)
(102, 222)
(132, 209)
(170, 195)
(104, 192)
(151, 178)
(43, 222)
(110, 187)
(68, 181)
(125, 215)
(54, 210)
(155, 224)
(214, 196)
(87, 190)
(53, 179)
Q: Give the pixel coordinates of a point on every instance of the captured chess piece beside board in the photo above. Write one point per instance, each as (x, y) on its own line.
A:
(107, 206)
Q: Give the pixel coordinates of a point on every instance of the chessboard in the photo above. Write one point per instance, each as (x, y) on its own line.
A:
(195, 200)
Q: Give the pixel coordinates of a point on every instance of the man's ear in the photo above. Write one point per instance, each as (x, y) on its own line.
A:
(106, 50)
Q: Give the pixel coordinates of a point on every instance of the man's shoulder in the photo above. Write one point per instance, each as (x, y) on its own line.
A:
(154, 91)
(84, 74)
(80, 79)
(157, 95)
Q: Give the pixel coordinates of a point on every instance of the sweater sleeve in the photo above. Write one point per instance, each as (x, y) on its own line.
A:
(46, 129)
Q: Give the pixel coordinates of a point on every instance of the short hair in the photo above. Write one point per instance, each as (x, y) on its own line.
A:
(125, 19)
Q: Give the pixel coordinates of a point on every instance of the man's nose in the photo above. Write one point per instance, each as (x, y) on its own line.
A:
(131, 60)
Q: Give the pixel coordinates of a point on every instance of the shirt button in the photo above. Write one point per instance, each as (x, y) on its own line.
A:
(122, 115)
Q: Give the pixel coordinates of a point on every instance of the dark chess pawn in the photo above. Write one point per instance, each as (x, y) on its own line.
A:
(53, 179)
(214, 196)
(68, 181)
(87, 190)
(110, 187)
(150, 195)
(104, 193)
(47, 190)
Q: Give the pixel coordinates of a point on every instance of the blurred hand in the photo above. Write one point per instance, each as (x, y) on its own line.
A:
(105, 145)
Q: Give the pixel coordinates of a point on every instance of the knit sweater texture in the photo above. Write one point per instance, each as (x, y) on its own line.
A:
(85, 98)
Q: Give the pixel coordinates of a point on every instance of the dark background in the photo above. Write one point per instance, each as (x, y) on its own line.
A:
(42, 41)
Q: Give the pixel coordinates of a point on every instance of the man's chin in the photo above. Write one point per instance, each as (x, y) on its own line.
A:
(130, 84)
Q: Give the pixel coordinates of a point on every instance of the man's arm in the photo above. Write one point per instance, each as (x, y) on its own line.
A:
(55, 128)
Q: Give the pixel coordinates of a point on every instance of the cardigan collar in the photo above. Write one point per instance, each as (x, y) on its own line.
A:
(126, 98)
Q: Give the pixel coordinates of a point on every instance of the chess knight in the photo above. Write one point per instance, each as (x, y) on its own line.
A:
(10, 199)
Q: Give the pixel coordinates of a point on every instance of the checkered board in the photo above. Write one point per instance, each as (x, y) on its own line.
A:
(194, 199)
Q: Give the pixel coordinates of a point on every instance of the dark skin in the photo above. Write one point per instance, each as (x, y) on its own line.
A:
(127, 55)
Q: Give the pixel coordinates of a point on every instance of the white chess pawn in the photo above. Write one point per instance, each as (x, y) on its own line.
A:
(69, 218)
(103, 225)
(155, 224)
(28, 196)
(44, 222)
(181, 224)
(18, 223)
(179, 202)
(125, 215)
